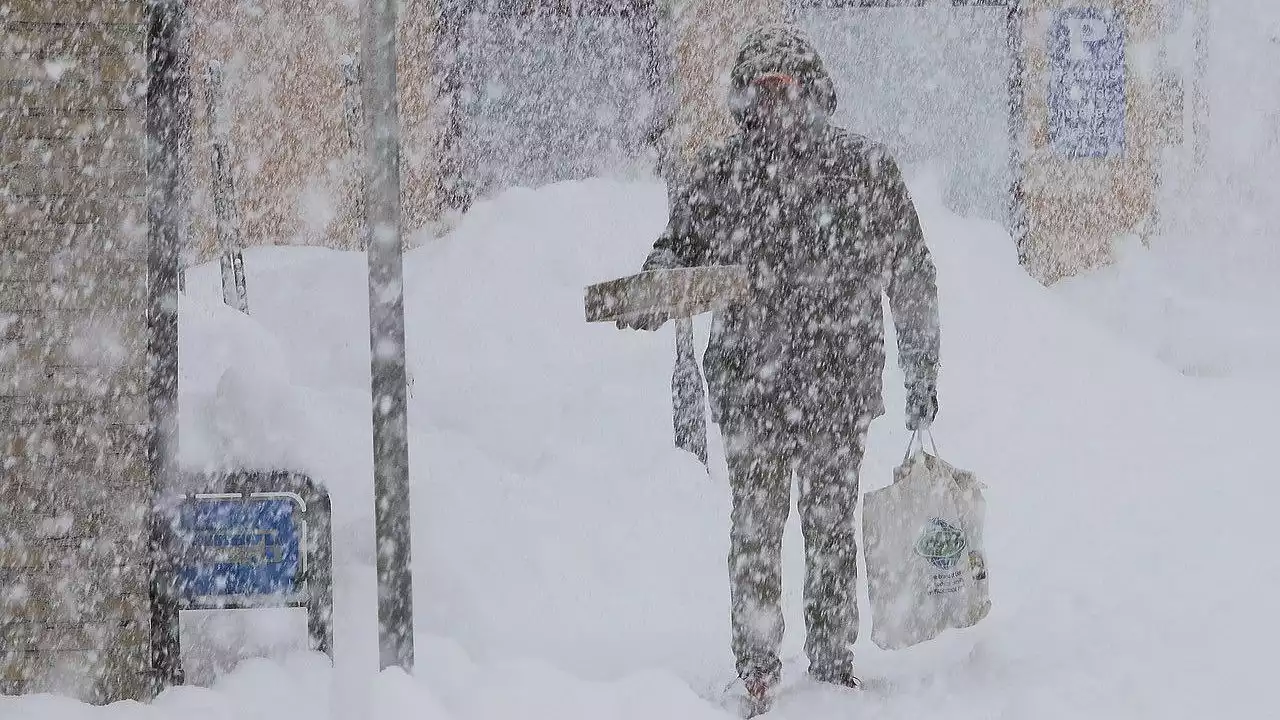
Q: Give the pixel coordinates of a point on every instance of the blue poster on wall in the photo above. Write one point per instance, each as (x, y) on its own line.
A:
(240, 547)
(1087, 83)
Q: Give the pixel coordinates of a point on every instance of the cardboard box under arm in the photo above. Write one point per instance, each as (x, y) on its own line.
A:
(676, 293)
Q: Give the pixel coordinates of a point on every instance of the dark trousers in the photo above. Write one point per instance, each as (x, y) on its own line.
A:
(760, 470)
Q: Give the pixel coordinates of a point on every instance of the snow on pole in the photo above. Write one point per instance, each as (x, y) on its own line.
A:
(234, 290)
(386, 335)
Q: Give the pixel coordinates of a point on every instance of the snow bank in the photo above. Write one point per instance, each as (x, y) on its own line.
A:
(570, 563)
(1147, 301)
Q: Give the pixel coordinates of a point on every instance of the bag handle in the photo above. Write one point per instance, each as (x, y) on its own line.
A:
(918, 437)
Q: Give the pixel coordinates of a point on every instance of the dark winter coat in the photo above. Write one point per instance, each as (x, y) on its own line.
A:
(823, 221)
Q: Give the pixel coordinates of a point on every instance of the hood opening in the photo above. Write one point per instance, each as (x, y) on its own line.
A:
(781, 49)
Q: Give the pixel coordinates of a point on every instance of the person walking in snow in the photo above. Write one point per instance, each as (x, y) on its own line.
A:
(823, 221)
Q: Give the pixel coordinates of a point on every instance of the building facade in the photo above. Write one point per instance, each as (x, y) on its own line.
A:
(74, 483)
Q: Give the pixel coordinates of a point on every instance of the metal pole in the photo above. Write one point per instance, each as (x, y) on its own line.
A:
(353, 115)
(1018, 139)
(386, 335)
(167, 125)
(455, 189)
(1200, 85)
(234, 290)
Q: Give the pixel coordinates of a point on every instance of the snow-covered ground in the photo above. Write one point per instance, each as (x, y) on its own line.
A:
(570, 563)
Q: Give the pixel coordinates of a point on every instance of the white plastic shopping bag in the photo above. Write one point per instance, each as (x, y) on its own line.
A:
(926, 566)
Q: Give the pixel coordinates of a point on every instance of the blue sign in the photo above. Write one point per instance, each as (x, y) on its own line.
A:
(240, 546)
(1087, 83)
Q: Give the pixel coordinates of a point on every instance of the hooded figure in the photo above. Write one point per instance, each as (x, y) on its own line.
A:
(822, 220)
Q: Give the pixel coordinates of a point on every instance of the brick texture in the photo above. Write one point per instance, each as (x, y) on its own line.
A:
(74, 488)
(291, 156)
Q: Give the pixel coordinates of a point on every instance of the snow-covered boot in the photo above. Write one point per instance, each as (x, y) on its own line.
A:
(753, 693)
(843, 678)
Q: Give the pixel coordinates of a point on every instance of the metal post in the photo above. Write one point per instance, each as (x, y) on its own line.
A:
(234, 290)
(320, 569)
(1018, 140)
(386, 335)
(167, 125)
(1200, 85)
(455, 189)
(353, 117)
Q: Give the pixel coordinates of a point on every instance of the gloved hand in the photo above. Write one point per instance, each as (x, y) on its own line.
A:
(922, 407)
(642, 321)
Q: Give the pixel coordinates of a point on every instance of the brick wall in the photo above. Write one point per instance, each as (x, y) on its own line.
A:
(74, 487)
(290, 151)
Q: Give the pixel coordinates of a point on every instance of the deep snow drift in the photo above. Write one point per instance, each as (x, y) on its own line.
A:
(570, 563)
